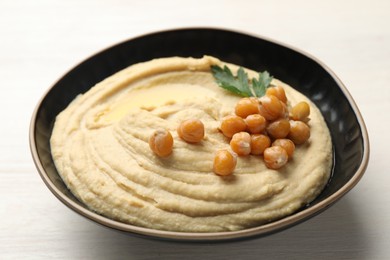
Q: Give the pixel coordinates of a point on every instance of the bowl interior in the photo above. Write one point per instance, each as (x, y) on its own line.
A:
(293, 67)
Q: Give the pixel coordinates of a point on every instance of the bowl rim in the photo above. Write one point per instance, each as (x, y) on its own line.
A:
(264, 229)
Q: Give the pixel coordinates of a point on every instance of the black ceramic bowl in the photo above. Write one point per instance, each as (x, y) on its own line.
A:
(308, 75)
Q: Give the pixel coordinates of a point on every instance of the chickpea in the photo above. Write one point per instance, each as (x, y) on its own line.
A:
(231, 125)
(191, 130)
(277, 91)
(259, 143)
(299, 132)
(271, 107)
(241, 143)
(279, 128)
(287, 145)
(247, 106)
(300, 111)
(161, 142)
(255, 123)
(275, 157)
(224, 162)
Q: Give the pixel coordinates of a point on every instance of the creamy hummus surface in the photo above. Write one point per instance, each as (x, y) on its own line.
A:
(100, 148)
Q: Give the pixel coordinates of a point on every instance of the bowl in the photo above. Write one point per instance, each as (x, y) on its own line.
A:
(294, 67)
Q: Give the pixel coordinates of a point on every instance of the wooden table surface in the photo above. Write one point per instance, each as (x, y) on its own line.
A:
(40, 40)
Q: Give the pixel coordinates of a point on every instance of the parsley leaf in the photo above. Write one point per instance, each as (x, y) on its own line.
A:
(240, 84)
(260, 85)
(225, 79)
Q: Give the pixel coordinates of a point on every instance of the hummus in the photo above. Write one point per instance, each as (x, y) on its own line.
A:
(100, 148)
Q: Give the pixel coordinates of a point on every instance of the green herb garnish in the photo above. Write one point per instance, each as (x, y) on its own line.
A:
(240, 84)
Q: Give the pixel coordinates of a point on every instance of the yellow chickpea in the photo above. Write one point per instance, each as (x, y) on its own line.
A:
(275, 157)
(247, 106)
(300, 111)
(299, 132)
(232, 124)
(271, 107)
(279, 128)
(287, 145)
(191, 130)
(161, 142)
(241, 143)
(256, 123)
(259, 143)
(224, 162)
(277, 91)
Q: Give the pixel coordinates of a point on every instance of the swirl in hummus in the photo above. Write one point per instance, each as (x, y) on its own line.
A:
(100, 148)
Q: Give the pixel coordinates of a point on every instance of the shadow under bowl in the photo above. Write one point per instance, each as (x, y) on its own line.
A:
(292, 66)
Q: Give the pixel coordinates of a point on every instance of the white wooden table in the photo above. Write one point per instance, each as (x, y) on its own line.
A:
(40, 40)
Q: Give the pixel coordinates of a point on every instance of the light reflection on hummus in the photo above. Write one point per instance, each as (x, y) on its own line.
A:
(100, 148)
(149, 98)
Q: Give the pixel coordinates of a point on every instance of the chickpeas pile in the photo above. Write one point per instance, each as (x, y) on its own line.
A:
(264, 126)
